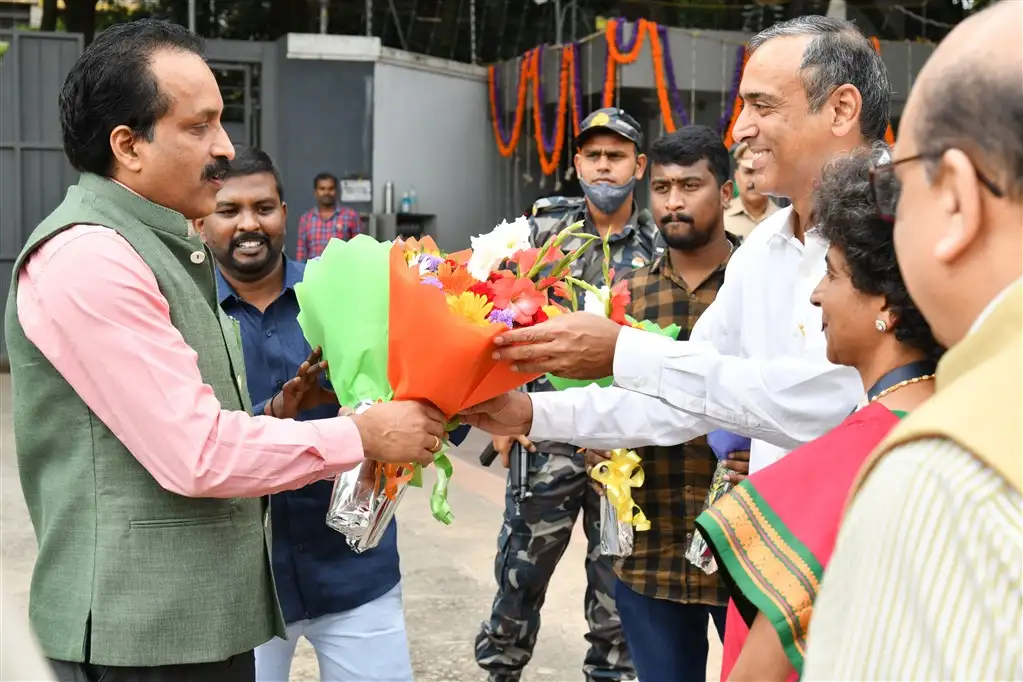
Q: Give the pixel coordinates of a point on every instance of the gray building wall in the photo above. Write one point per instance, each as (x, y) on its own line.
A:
(34, 173)
(430, 134)
(324, 123)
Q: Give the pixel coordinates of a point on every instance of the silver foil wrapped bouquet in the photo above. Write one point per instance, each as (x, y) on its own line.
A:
(699, 552)
(723, 444)
(365, 498)
(615, 536)
(620, 516)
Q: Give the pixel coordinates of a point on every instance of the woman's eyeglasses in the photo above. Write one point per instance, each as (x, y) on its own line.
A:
(886, 188)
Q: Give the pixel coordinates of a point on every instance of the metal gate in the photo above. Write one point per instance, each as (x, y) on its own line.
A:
(34, 173)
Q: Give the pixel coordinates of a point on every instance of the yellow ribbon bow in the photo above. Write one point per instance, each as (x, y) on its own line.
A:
(619, 475)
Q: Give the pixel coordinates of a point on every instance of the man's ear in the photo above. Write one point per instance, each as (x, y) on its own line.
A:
(958, 193)
(640, 166)
(727, 189)
(846, 105)
(122, 144)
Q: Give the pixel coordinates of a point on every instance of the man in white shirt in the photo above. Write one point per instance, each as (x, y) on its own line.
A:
(755, 364)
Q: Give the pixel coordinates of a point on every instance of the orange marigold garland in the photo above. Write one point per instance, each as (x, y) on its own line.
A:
(736, 105)
(506, 143)
(616, 57)
(549, 164)
(657, 56)
(889, 135)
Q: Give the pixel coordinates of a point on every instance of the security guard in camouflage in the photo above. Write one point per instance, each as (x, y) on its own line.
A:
(534, 536)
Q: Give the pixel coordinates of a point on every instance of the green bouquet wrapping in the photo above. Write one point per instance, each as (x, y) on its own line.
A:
(351, 280)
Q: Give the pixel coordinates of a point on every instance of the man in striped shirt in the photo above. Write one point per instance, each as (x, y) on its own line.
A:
(925, 581)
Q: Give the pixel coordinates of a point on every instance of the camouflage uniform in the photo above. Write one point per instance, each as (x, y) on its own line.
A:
(532, 541)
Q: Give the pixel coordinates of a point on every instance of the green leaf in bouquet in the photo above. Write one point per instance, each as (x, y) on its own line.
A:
(344, 304)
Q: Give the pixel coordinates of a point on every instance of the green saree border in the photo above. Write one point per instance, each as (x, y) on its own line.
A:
(769, 565)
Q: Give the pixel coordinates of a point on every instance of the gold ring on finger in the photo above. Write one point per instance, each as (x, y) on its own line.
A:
(436, 445)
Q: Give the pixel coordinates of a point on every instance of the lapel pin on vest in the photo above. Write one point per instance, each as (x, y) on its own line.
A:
(198, 257)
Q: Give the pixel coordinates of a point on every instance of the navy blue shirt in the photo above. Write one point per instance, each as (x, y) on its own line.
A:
(315, 571)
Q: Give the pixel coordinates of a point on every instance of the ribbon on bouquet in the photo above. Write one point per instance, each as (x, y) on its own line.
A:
(619, 475)
(390, 478)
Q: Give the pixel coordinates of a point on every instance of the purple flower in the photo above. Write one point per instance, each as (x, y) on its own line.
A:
(502, 317)
(429, 263)
(433, 282)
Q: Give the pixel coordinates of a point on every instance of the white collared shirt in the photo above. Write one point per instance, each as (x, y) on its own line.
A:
(755, 365)
(990, 307)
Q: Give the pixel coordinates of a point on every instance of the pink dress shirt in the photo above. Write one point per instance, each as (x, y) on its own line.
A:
(92, 306)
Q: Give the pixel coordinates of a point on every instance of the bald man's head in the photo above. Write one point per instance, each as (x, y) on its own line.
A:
(970, 95)
(958, 170)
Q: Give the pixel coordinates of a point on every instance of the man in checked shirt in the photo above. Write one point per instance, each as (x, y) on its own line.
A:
(329, 219)
(664, 601)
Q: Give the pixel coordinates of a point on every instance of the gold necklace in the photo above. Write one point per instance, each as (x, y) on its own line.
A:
(901, 384)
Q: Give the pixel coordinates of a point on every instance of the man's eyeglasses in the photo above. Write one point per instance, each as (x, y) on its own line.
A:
(886, 189)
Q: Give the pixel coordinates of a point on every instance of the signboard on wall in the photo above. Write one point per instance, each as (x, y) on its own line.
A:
(356, 191)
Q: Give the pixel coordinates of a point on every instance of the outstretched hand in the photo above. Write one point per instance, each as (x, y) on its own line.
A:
(303, 391)
(574, 346)
(401, 431)
(510, 414)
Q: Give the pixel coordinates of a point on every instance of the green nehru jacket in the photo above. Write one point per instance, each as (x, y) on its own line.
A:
(127, 571)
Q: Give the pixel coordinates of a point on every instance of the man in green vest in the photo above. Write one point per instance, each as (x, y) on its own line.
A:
(925, 580)
(143, 472)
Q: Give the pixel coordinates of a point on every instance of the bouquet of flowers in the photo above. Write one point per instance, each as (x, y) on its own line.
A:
(723, 444)
(405, 321)
(608, 301)
(619, 514)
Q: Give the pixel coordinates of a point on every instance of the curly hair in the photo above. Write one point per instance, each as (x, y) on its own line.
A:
(845, 213)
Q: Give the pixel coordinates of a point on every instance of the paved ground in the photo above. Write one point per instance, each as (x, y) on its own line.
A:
(448, 573)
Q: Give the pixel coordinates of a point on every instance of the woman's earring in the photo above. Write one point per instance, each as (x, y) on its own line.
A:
(881, 325)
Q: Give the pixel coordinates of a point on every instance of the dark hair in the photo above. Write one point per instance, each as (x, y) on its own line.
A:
(690, 145)
(979, 111)
(324, 176)
(251, 161)
(845, 213)
(838, 54)
(112, 84)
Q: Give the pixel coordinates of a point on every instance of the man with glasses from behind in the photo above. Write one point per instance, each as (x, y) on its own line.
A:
(927, 565)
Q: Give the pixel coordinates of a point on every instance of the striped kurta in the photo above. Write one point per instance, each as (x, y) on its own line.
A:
(924, 583)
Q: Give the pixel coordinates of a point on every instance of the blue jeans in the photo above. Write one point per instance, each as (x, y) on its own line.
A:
(667, 640)
(366, 644)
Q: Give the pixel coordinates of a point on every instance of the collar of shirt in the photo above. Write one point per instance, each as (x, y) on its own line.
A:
(293, 271)
(627, 232)
(736, 207)
(662, 264)
(990, 307)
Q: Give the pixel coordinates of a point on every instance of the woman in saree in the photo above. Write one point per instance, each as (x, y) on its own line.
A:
(774, 533)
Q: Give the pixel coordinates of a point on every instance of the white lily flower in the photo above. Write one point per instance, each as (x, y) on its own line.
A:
(491, 249)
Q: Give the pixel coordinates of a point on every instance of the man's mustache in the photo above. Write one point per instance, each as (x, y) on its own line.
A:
(216, 170)
(677, 218)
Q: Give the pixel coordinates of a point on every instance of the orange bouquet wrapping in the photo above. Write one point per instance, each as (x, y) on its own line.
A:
(405, 321)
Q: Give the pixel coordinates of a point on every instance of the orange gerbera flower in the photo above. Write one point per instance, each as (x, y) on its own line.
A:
(455, 278)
